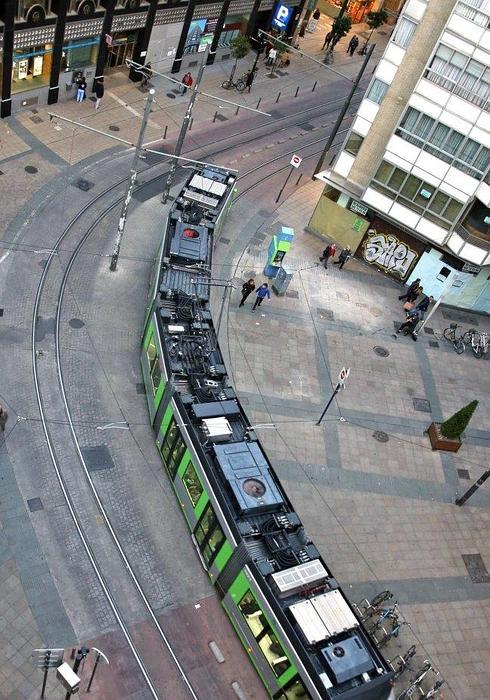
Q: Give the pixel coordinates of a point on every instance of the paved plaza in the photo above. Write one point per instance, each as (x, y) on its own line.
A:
(374, 497)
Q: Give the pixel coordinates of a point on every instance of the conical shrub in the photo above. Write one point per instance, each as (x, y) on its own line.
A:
(455, 426)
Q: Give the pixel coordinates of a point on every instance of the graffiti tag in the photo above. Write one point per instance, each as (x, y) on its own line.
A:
(388, 252)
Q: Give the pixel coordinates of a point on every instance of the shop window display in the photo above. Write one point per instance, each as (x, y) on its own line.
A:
(31, 68)
(78, 54)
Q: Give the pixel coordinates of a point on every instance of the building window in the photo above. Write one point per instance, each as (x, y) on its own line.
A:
(469, 10)
(458, 73)
(445, 143)
(354, 143)
(154, 364)
(209, 536)
(377, 91)
(31, 68)
(173, 448)
(192, 484)
(78, 54)
(416, 194)
(404, 31)
(477, 221)
(263, 634)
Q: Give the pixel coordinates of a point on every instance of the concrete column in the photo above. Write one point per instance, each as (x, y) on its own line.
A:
(60, 9)
(7, 14)
(395, 101)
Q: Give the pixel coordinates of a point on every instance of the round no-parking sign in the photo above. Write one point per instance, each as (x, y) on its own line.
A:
(295, 161)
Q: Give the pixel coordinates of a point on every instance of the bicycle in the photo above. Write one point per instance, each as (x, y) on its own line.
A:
(399, 663)
(478, 342)
(435, 689)
(457, 342)
(366, 609)
(240, 84)
(415, 682)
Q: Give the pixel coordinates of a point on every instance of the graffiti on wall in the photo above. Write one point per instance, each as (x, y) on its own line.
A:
(388, 252)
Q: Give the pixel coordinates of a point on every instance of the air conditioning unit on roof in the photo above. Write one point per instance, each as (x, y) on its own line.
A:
(217, 429)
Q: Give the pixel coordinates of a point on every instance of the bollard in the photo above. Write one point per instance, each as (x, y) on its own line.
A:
(300, 176)
(314, 86)
(260, 100)
(215, 115)
(296, 93)
(165, 132)
(237, 110)
(277, 98)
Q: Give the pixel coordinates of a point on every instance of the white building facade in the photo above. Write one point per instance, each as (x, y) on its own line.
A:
(415, 167)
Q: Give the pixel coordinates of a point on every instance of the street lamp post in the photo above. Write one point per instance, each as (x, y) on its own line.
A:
(131, 183)
(183, 129)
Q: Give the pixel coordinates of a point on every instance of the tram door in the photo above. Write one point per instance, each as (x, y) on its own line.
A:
(122, 48)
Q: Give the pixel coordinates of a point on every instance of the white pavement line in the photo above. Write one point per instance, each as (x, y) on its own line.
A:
(132, 109)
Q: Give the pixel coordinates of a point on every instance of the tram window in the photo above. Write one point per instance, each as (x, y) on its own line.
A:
(192, 484)
(293, 690)
(154, 364)
(173, 448)
(266, 638)
(209, 535)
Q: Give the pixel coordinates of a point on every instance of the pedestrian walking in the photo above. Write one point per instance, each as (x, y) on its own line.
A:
(353, 44)
(186, 82)
(271, 58)
(247, 289)
(343, 257)
(99, 91)
(328, 39)
(81, 88)
(3, 418)
(147, 73)
(302, 30)
(329, 252)
(410, 289)
(408, 327)
(261, 293)
(250, 79)
(423, 306)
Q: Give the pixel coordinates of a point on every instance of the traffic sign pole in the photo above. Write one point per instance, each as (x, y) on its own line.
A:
(344, 373)
(291, 170)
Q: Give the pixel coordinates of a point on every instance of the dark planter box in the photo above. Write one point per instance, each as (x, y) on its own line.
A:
(439, 442)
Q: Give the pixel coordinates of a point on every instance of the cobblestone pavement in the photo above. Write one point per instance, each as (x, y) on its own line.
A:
(382, 513)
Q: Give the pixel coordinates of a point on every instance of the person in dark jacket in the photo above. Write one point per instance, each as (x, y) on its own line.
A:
(146, 75)
(343, 257)
(423, 306)
(328, 39)
(99, 91)
(411, 296)
(410, 289)
(262, 292)
(81, 88)
(353, 44)
(247, 289)
(250, 79)
(408, 328)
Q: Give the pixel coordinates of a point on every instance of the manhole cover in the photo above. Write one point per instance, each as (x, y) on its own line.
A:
(260, 237)
(343, 296)
(34, 504)
(421, 405)
(249, 274)
(381, 436)
(463, 474)
(171, 95)
(382, 352)
(433, 343)
(36, 120)
(225, 241)
(76, 323)
(97, 458)
(306, 126)
(113, 127)
(30, 169)
(83, 185)
(293, 294)
(428, 330)
(476, 568)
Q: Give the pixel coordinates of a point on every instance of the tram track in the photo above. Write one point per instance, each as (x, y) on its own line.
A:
(40, 382)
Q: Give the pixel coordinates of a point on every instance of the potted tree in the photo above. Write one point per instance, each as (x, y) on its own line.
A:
(447, 436)
(240, 46)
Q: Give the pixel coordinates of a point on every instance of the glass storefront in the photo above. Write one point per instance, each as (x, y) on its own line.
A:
(234, 25)
(78, 54)
(121, 49)
(31, 68)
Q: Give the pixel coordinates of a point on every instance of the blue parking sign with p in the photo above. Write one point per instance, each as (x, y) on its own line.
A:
(282, 15)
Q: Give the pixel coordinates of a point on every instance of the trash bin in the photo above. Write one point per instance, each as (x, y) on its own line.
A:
(281, 281)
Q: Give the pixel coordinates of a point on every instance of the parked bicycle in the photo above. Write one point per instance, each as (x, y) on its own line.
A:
(239, 85)
(416, 690)
(414, 686)
(478, 341)
(366, 608)
(399, 664)
(457, 341)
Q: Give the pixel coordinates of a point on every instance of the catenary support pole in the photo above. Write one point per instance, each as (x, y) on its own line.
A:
(449, 283)
(461, 501)
(183, 129)
(131, 183)
(343, 111)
